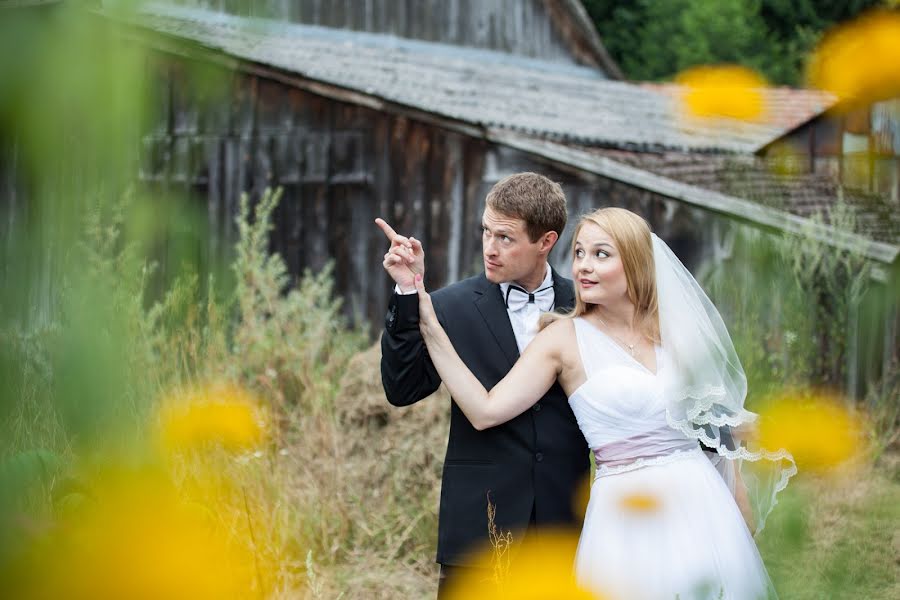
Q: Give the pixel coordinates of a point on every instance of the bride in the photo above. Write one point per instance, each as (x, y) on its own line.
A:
(651, 374)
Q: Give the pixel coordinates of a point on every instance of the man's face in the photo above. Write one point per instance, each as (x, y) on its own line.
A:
(509, 255)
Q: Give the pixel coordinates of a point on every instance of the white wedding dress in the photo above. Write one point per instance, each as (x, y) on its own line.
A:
(661, 523)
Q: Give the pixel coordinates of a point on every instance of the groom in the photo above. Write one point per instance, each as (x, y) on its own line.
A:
(529, 467)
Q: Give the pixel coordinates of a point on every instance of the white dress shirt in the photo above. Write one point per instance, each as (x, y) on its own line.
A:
(524, 321)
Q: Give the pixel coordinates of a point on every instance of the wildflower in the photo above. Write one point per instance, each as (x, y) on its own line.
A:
(541, 569)
(723, 91)
(859, 61)
(816, 429)
(139, 540)
(218, 414)
(640, 503)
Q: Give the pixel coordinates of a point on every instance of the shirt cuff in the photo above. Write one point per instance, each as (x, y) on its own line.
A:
(399, 291)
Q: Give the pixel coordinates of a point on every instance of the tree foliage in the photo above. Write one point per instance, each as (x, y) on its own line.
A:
(655, 39)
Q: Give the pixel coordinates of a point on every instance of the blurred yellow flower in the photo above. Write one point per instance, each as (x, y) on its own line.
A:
(542, 568)
(817, 429)
(859, 61)
(222, 414)
(640, 503)
(723, 91)
(138, 540)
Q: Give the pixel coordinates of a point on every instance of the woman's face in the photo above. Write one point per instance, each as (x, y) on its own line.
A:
(597, 268)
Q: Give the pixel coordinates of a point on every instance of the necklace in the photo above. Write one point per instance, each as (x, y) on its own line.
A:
(617, 338)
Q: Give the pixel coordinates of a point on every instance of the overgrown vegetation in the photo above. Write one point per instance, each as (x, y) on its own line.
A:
(655, 39)
(836, 536)
(346, 486)
(790, 302)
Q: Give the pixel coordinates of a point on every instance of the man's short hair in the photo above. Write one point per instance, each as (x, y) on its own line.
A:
(534, 199)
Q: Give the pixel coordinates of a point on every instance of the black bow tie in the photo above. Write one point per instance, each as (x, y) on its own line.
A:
(543, 298)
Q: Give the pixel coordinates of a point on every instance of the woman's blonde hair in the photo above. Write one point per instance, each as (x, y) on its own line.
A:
(631, 236)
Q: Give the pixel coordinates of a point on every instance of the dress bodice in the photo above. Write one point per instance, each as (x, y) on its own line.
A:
(621, 406)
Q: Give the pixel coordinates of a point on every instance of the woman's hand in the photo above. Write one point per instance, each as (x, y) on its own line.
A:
(427, 317)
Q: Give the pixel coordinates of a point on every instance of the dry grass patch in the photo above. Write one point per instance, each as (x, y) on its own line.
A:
(363, 483)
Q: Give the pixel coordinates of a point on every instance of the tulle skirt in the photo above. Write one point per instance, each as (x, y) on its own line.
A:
(668, 531)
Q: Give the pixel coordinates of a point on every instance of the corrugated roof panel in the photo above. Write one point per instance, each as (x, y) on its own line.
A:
(476, 86)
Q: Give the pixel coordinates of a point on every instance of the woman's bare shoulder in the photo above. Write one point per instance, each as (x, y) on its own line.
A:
(563, 345)
(560, 333)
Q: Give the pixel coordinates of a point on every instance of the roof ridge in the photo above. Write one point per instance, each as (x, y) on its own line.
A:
(364, 38)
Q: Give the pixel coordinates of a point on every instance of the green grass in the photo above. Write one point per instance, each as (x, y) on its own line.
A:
(838, 537)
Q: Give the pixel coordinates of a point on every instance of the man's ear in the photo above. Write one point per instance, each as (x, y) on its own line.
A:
(548, 240)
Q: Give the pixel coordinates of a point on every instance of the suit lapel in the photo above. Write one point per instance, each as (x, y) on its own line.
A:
(489, 303)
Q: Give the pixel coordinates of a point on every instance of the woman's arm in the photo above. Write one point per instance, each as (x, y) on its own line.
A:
(525, 384)
(743, 500)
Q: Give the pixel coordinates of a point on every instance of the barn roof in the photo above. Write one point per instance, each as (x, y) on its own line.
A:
(565, 114)
(771, 183)
(785, 107)
(491, 89)
(743, 188)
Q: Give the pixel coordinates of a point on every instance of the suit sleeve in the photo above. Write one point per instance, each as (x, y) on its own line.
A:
(407, 372)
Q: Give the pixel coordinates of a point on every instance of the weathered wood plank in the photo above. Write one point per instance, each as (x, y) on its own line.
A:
(473, 206)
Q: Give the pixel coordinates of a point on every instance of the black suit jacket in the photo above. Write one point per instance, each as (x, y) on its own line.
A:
(531, 464)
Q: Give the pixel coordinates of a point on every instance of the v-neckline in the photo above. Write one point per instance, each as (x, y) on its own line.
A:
(622, 350)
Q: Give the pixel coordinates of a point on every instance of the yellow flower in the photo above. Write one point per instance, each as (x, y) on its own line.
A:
(136, 539)
(859, 61)
(222, 414)
(723, 91)
(542, 568)
(640, 503)
(815, 428)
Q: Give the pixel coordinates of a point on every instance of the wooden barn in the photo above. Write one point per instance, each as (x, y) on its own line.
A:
(413, 110)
